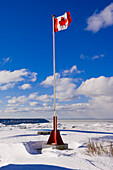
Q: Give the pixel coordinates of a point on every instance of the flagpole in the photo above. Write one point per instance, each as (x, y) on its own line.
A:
(53, 16)
(55, 137)
(55, 118)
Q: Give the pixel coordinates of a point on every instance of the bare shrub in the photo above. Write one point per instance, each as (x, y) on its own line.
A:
(98, 148)
(111, 148)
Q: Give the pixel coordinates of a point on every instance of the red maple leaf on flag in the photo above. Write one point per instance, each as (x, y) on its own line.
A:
(63, 21)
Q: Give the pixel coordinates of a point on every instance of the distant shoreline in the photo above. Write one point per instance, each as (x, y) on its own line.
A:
(15, 121)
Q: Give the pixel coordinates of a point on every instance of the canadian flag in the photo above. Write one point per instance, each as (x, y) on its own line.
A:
(62, 22)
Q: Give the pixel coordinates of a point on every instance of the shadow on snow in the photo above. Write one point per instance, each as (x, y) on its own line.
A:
(33, 167)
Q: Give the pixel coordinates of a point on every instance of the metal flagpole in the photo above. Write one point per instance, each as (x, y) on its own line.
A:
(53, 16)
(55, 118)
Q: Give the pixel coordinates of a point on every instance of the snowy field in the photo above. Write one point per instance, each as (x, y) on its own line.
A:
(18, 144)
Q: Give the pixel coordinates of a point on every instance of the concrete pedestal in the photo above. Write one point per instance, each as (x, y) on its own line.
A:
(60, 147)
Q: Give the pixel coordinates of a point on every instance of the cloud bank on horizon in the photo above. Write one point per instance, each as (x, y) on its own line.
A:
(98, 92)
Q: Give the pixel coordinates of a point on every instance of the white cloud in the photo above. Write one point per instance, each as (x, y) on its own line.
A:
(71, 70)
(50, 80)
(33, 95)
(44, 98)
(15, 100)
(14, 105)
(34, 103)
(100, 93)
(82, 56)
(7, 86)
(65, 87)
(7, 97)
(91, 58)
(25, 99)
(62, 106)
(45, 105)
(97, 56)
(100, 20)
(25, 86)
(27, 111)
(15, 76)
(74, 68)
(33, 76)
(8, 79)
(97, 86)
(5, 60)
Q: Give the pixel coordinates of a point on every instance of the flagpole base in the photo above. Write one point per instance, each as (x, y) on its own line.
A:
(55, 137)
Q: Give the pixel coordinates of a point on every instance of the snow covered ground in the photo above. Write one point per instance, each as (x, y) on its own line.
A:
(18, 144)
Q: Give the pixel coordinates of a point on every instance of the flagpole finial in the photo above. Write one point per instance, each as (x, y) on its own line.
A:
(53, 15)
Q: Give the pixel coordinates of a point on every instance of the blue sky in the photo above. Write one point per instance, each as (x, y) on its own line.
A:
(84, 59)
